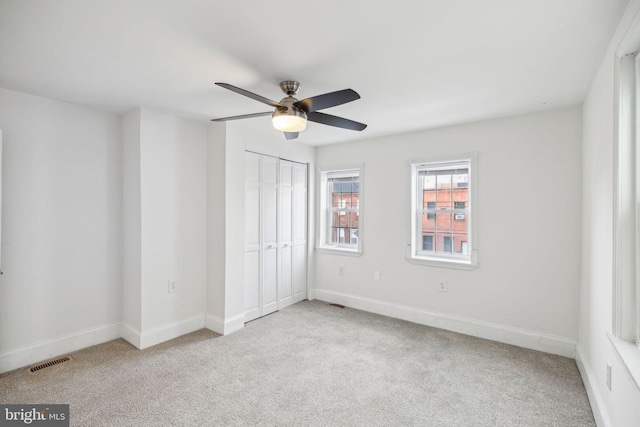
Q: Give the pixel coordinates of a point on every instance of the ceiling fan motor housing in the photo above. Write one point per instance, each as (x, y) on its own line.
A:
(290, 87)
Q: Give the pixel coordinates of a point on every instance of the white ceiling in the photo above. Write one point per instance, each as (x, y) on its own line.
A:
(417, 64)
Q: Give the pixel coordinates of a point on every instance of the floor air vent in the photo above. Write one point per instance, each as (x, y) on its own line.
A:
(49, 363)
(337, 305)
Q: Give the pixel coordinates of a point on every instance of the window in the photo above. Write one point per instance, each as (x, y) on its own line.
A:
(626, 261)
(443, 231)
(340, 192)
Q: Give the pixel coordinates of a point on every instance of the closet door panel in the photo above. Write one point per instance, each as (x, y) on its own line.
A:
(286, 279)
(299, 220)
(269, 234)
(300, 273)
(252, 237)
(285, 230)
(252, 286)
(270, 282)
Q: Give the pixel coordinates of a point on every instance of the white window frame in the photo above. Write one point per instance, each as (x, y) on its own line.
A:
(625, 334)
(415, 253)
(323, 244)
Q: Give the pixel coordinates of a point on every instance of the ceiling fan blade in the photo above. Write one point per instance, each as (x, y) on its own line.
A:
(328, 119)
(250, 95)
(244, 116)
(327, 100)
(291, 135)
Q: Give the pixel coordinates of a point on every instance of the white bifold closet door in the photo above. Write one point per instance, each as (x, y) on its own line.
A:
(299, 226)
(275, 234)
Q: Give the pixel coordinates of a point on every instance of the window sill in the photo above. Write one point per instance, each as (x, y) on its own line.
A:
(629, 356)
(443, 263)
(336, 251)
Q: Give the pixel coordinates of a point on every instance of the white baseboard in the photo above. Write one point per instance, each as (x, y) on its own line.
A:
(519, 337)
(593, 392)
(225, 326)
(214, 323)
(130, 334)
(30, 354)
(170, 331)
(311, 294)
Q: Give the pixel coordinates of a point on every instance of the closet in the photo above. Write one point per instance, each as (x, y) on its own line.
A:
(275, 234)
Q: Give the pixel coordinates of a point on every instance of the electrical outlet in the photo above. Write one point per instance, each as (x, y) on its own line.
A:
(442, 286)
(341, 270)
(609, 376)
(172, 286)
(376, 275)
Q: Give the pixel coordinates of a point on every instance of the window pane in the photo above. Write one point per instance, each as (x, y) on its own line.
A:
(428, 222)
(335, 219)
(428, 182)
(427, 243)
(461, 179)
(353, 220)
(446, 244)
(443, 222)
(460, 222)
(431, 205)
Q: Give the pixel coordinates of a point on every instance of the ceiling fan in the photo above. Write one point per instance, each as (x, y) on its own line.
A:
(290, 115)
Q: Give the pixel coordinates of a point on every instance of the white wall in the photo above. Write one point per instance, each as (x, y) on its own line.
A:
(216, 226)
(131, 227)
(619, 407)
(61, 243)
(173, 189)
(525, 289)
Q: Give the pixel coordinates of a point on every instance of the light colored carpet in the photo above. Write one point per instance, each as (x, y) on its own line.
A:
(312, 364)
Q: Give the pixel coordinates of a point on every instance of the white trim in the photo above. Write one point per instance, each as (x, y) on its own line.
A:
(1, 274)
(492, 331)
(443, 262)
(47, 349)
(625, 336)
(130, 334)
(214, 323)
(598, 406)
(629, 356)
(170, 331)
(350, 167)
(338, 251)
(448, 158)
(222, 326)
(233, 324)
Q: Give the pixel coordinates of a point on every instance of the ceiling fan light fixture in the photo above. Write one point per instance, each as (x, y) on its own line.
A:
(290, 120)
